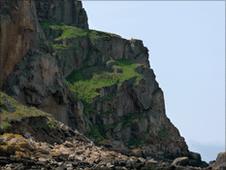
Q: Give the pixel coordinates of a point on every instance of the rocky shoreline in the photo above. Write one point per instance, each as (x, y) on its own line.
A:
(76, 98)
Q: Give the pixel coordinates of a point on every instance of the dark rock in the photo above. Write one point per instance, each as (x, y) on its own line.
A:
(18, 33)
(6, 105)
(195, 160)
(195, 156)
(69, 12)
(127, 115)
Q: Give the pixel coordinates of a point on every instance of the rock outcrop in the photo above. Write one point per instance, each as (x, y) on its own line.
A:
(220, 163)
(69, 12)
(32, 139)
(37, 81)
(18, 33)
(93, 81)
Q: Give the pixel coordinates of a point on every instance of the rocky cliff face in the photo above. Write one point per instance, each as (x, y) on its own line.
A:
(69, 12)
(32, 139)
(20, 30)
(96, 82)
(18, 33)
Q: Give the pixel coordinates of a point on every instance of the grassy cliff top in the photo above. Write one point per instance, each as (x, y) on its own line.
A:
(68, 32)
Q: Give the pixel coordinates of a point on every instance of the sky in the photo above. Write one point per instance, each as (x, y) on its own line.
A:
(186, 42)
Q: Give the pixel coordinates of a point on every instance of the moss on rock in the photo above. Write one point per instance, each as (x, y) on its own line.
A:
(68, 32)
(15, 144)
(20, 111)
(87, 89)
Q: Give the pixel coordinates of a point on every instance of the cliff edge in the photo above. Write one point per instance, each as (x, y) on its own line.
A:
(96, 82)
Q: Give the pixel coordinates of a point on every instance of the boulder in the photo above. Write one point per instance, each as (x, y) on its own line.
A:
(182, 161)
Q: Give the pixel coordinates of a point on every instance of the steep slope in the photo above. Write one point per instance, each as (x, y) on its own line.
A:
(96, 82)
(40, 79)
(18, 31)
(69, 12)
(119, 102)
(29, 121)
(32, 139)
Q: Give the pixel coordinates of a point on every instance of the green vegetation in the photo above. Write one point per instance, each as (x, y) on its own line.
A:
(88, 108)
(95, 134)
(19, 112)
(58, 46)
(108, 97)
(163, 133)
(87, 89)
(69, 32)
(126, 120)
(98, 132)
(135, 142)
(46, 24)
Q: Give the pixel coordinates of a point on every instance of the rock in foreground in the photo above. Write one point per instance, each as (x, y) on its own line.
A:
(49, 144)
(64, 76)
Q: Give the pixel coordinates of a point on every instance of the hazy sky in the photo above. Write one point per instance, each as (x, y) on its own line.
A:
(186, 42)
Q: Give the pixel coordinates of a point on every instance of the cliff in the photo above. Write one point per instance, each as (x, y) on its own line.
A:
(96, 82)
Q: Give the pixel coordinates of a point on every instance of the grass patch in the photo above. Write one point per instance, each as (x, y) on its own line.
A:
(68, 32)
(20, 112)
(58, 46)
(87, 89)
(95, 134)
(46, 24)
(58, 33)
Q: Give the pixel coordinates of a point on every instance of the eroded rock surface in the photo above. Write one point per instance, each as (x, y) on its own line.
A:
(69, 12)
(32, 139)
(18, 33)
(220, 163)
(93, 81)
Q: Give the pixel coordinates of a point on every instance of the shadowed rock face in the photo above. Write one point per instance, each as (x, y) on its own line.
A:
(69, 12)
(94, 81)
(220, 163)
(20, 27)
(35, 140)
(18, 33)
